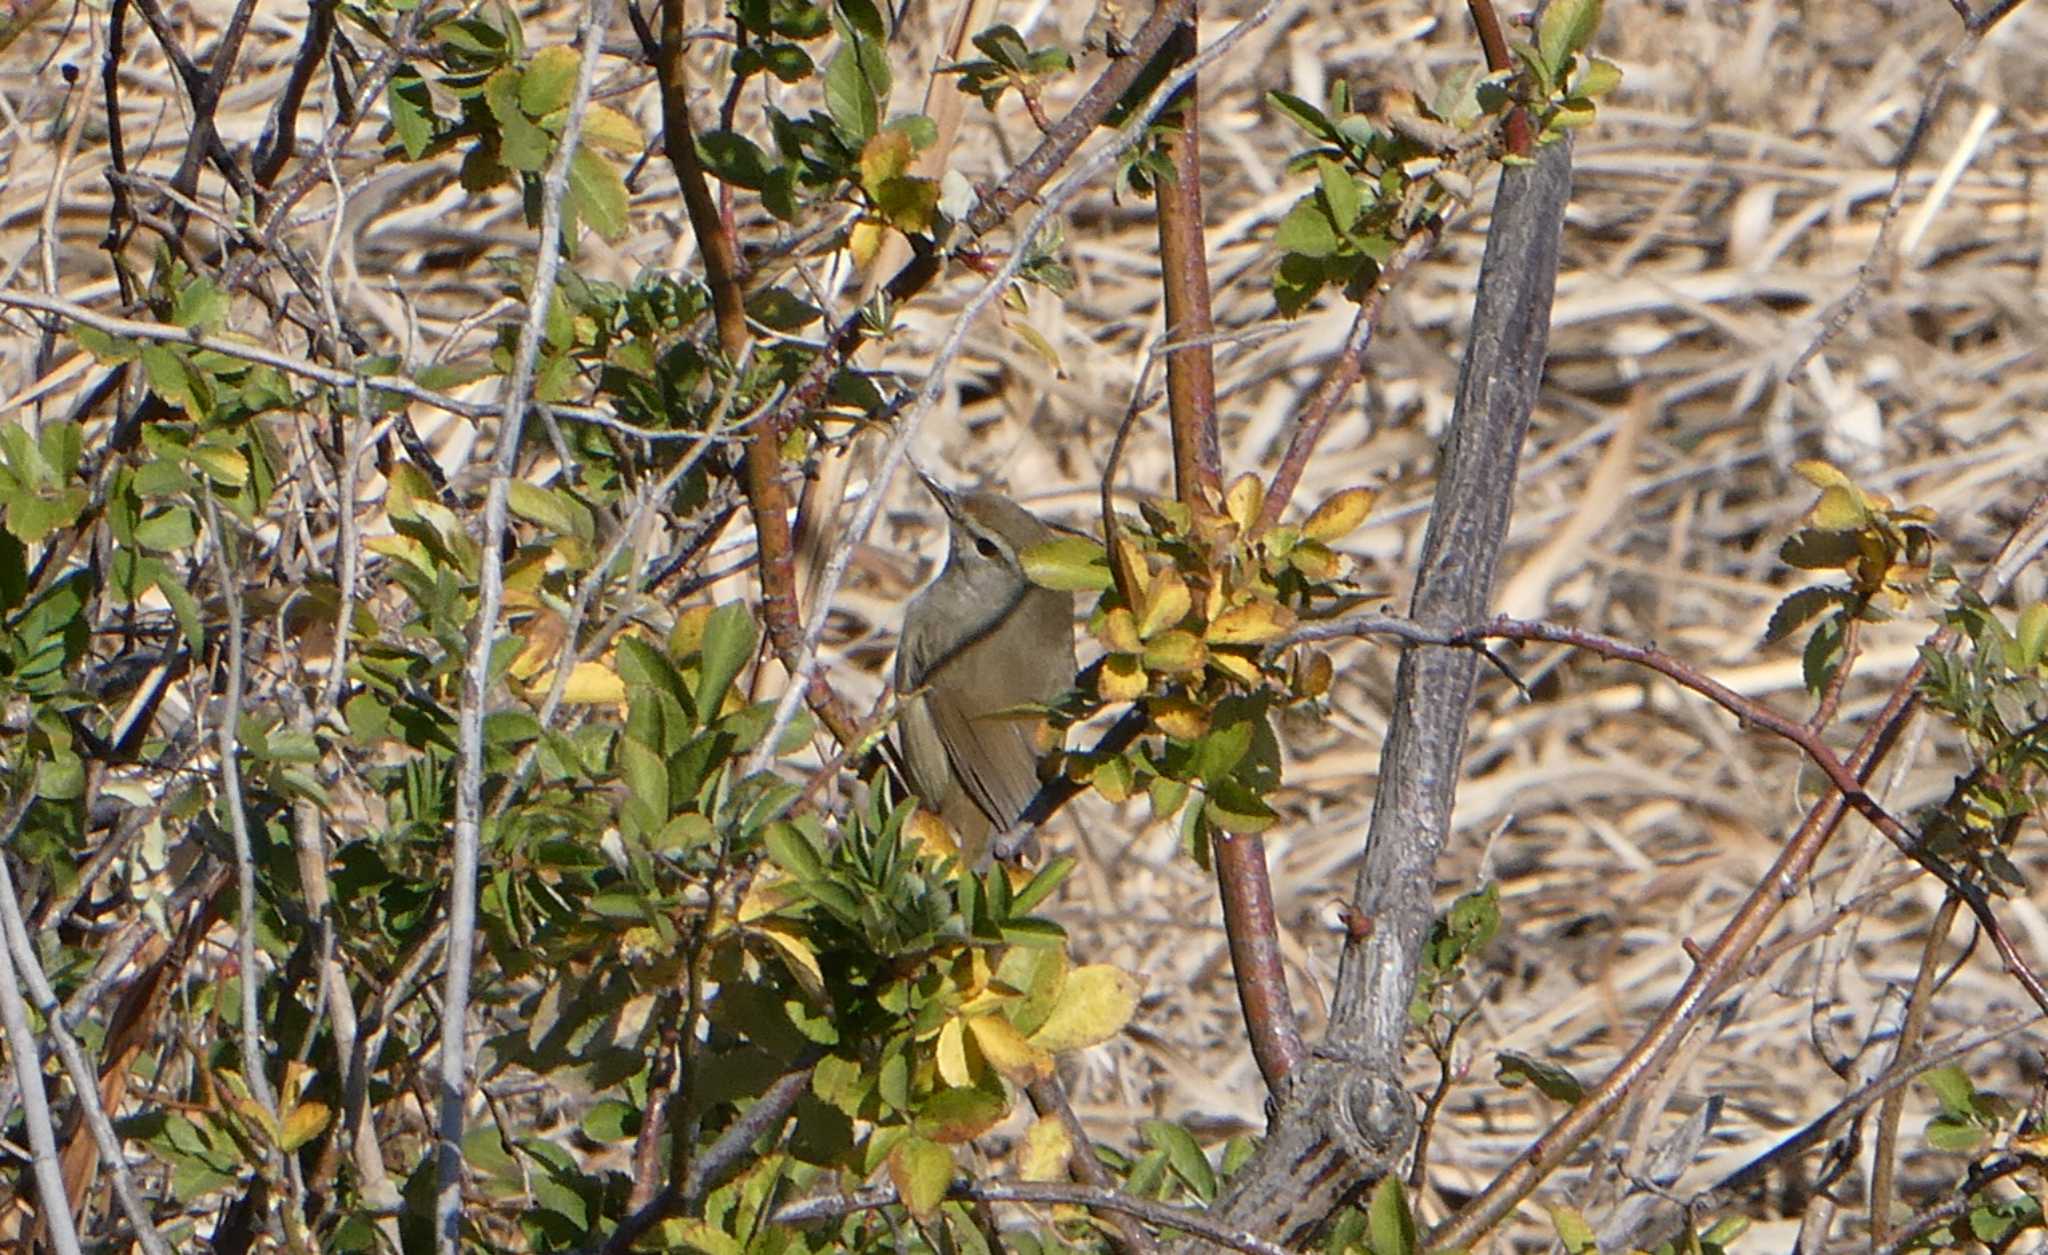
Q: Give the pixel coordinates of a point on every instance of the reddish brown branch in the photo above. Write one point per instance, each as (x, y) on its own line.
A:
(679, 141)
(1184, 278)
(767, 494)
(1243, 881)
(1247, 897)
(1515, 128)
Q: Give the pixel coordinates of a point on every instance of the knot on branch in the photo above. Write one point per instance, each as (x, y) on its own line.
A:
(1373, 1119)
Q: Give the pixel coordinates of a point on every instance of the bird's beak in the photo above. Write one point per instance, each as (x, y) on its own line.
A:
(948, 499)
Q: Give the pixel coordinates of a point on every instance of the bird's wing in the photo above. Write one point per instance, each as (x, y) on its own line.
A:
(1002, 779)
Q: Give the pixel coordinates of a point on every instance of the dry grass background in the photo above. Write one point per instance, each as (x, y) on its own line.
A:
(1726, 198)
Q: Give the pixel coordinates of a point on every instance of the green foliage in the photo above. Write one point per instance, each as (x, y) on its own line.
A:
(1459, 934)
(1886, 553)
(506, 111)
(1382, 177)
(1007, 63)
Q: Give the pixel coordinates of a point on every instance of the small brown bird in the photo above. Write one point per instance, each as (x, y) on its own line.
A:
(980, 641)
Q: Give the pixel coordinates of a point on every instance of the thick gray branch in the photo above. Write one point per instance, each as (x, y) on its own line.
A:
(1345, 1117)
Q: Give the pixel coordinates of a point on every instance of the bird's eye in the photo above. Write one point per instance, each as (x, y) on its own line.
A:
(986, 547)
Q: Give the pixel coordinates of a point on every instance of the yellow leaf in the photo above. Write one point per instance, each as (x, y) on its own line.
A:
(302, 1125)
(865, 240)
(1339, 515)
(952, 1055)
(768, 893)
(1040, 345)
(921, 1170)
(1313, 674)
(1112, 778)
(1176, 653)
(1315, 560)
(1246, 496)
(223, 466)
(1135, 571)
(1007, 1051)
(403, 549)
(931, 834)
(1178, 717)
(1121, 679)
(592, 683)
(1047, 1149)
(1839, 510)
(1821, 474)
(540, 635)
(1842, 506)
(1167, 602)
(700, 1237)
(1236, 666)
(687, 636)
(604, 127)
(796, 953)
(1253, 623)
(1095, 1004)
(1117, 629)
(886, 156)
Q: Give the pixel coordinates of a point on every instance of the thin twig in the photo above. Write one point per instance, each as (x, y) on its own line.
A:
(229, 735)
(476, 678)
(84, 1076)
(249, 351)
(1158, 1215)
(28, 1065)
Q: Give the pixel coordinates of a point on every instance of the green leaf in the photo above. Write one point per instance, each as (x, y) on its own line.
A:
(1573, 1231)
(1599, 77)
(199, 306)
(1946, 1133)
(31, 518)
(1800, 608)
(1340, 192)
(735, 159)
(779, 309)
(855, 80)
(2030, 637)
(645, 776)
(1566, 27)
(1516, 1069)
(598, 193)
(107, 350)
(1306, 230)
(1068, 564)
(540, 505)
(1305, 115)
(1391, 1223)
(729, 639)
(1823, 654)
(167, 529)
(1953, 1089)
(921, 1170)
(864, 17)
(412, 112)
(1183, 1155)
(172, 378)
(792, 850)
(549, 81)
